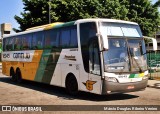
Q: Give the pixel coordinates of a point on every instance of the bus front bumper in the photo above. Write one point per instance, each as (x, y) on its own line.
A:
(115, 87)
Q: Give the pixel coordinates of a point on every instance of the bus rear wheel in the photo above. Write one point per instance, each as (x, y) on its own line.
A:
(12, 74)
(18, 76)
(71, 85)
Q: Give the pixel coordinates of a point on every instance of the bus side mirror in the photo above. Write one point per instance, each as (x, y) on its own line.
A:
(104, 41)
(154, 41)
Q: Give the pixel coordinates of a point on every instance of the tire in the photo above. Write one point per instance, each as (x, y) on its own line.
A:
(13, 76)
(71, 85)
(18, 76)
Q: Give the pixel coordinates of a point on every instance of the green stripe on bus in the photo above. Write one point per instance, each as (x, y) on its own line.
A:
(42, 66)
(65, 24)
(53, 57)
(134, 76)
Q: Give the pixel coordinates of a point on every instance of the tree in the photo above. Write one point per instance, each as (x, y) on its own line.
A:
(144, 13)
(157, 4)
(36, 12)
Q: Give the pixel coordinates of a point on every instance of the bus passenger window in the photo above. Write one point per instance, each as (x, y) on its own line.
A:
(73, 39)
(51, 39)
(25, 44)
(37, 40)
(17, 43)
(34, 45)
(65, 38)
(39, 44)
(6, 44)
(47, 43)
(26, 39)
(10, 44)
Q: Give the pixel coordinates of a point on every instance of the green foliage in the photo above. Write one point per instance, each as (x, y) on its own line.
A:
(157, 4)
(36, 12)
(145, 14)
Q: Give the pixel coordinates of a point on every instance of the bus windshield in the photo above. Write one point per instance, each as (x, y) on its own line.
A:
(125, 55)
(126, 51)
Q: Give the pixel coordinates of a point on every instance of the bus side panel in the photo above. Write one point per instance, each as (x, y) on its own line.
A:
(29, 69)
(68, 62)
(68, 68)
(47, 66)
(57, 76)
(6, 68)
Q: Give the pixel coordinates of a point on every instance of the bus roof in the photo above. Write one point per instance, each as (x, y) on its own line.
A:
(104, 20)
(61, 24)
(44, 26)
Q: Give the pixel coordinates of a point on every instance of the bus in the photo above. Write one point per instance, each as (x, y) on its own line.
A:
(100, 56)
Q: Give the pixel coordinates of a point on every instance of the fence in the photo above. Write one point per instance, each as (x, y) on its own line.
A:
(153, 60)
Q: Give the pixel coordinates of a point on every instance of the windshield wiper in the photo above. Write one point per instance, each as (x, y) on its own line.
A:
(132, 64)
(140, 69)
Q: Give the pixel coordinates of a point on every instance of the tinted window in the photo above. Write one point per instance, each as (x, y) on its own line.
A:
(10, 44)
(51, 39)
(73, 40)
(26, 41)
(17, 43)
(68, 37)
(37, 40)
(87, 32)
(65, 38)
(5, 42)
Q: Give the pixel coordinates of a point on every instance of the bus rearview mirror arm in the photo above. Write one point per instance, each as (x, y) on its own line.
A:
(154, 41)
(104, 42)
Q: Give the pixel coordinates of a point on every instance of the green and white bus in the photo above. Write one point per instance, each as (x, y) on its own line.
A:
(100, 56)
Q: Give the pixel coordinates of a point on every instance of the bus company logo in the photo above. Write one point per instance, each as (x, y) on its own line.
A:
(89, 84)
(21, 55)
(6, 55)
(73, 58)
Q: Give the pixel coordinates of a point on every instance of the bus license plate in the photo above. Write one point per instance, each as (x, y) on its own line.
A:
(130, 87)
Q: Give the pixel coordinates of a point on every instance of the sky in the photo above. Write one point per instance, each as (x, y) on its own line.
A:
(10, 8)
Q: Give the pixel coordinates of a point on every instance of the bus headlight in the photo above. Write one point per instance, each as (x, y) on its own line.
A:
(111, 79)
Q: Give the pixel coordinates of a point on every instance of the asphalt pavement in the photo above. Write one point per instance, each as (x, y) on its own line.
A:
(154, 83)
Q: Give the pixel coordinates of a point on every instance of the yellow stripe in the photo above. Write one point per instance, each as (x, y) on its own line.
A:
(141, 75)
(52, 25)
(46, 27)
(30, 69)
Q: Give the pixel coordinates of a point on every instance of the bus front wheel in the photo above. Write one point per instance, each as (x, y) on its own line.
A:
(71, 85)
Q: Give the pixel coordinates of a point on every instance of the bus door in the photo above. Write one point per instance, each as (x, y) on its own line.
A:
(90, 74)
(94, 77)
